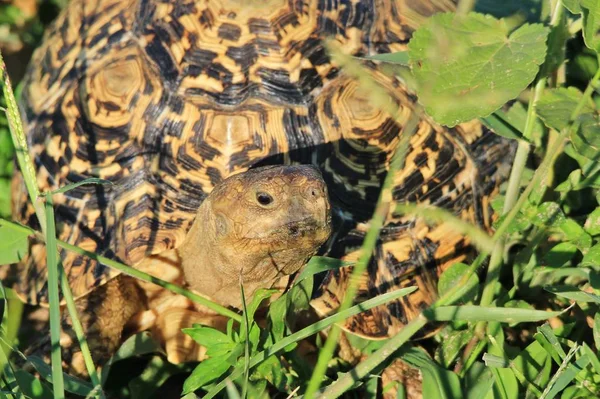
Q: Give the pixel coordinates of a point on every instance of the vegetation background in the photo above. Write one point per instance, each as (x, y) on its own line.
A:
(520, 321)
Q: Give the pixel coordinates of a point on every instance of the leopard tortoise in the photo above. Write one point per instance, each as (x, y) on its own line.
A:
(167, 99)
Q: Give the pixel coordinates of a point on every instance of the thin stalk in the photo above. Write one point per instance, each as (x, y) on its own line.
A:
(132, 272)
(54, 301)
(78, 328)
(20, 143)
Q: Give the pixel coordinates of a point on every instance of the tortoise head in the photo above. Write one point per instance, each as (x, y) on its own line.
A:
(260, 226)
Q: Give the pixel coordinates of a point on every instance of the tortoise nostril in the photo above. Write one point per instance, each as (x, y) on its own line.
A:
(264, 199)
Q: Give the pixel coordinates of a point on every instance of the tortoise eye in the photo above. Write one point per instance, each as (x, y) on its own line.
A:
(264, 199)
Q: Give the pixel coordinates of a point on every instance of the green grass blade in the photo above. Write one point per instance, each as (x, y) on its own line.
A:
(482, 313)
(312, 330)
(77, 327)
(54, 301)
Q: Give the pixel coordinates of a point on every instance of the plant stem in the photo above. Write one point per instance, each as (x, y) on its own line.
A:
(20, 142)
(132, 272)
(77, 327)
(54, 302)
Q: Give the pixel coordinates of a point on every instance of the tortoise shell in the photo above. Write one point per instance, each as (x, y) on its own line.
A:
(167, 98)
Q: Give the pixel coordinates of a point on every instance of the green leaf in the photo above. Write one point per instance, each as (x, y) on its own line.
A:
(452, 276)
(500, 124)
(546, 214)
(152, 378)
(576, 234)
(207, 371)
(139, 344)
(319, 264)
(592, 257)
(572, 5)
(560, 254)
(13, 245)
(437, 382)
(556, 106)
(469, 66)
(451, 345)
(573, 293)
(72, 384)
(215, 342)
(272, 371)
(535, 364)
(482, 313)
(478, 381)
(590, 9)
(31, 386)
(505, 383)
(586, 139)
(592, 223)
(557, 40)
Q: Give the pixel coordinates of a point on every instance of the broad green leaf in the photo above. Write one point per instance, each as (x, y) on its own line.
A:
(13, 245)
(560, 254)
(500, 124)
(152, 378)
(32, 386)
(586, 139)
(546, 214)
(478, 381)
(271, 370)
(556, 106)
(575, 392)
(452, 276)
(482, 313)
(592, 257)
(505, 384)
(592, 223)
(437, 382)
(215, 342)
(546, 331)
(573, 293)
(517, 304)
(570, 183)
(469, 66)
(72, 384)
(207, 371)
(451, 345)
(535, 364)
(572, 5)
(319, 264)
(557, 40)
(590, 9)
(576, 234)
(139, 344)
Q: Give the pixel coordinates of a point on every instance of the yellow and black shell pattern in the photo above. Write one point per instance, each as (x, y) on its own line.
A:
(167, 98)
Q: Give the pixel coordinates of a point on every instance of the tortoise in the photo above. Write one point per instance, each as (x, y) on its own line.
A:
(169, 99)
